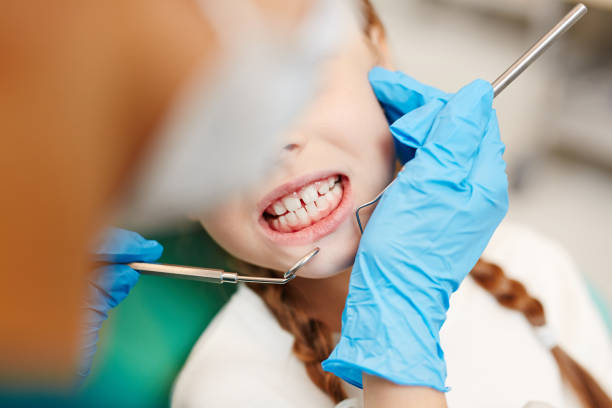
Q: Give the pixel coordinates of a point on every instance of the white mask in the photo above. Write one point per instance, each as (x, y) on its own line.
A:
(222, 134)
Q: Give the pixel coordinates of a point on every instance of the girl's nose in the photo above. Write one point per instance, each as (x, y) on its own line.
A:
(291, 147)
(295, 144)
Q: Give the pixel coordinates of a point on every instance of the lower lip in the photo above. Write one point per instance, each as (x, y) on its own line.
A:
(317, 230)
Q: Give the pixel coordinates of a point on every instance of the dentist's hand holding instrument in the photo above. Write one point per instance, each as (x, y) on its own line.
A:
(427, 232)
(110, 284)
(429, 229)
(122, 255)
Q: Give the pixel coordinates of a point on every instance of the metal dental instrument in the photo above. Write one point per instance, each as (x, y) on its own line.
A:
(217, 275)
(538, 48)
(514, 71)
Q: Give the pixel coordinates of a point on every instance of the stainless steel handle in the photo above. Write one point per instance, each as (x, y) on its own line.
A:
(185, 272)
(538, 48)
(208, 274)
(512, 73)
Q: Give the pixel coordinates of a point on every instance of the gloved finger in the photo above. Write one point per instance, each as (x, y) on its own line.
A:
(107, 288)
(89, 338)
(399, 94)
(489, 170)
(410, 131)
(458, 130)
(122, 246)
(109, 285)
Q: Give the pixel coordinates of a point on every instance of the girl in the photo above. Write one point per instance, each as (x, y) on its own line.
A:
(266, 346)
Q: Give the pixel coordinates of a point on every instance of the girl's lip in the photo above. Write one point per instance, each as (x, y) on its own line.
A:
(317, 230)
(293, 185)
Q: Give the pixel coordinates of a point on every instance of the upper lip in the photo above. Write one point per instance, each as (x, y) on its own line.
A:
(291, 186)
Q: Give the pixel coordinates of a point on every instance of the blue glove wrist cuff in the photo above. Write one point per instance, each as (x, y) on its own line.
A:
(353, 374)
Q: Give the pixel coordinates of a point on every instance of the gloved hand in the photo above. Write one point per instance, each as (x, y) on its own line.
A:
(110, 284)
(427, 232)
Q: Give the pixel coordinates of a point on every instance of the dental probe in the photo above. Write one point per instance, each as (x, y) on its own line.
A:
(217, 275)
(514, 71)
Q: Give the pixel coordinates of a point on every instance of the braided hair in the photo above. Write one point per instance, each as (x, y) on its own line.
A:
(513, 295)
(313, 340)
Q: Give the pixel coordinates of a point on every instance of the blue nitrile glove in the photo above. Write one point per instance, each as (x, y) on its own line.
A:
(427, 232)
(110, 284)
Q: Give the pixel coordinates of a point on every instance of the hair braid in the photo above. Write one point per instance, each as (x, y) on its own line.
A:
(313, 341)
(512, 294)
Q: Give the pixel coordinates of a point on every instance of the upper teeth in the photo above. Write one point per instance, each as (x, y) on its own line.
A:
(291, 202)
(309, 193)
(311, 203)
(323, 188)
(279, 208)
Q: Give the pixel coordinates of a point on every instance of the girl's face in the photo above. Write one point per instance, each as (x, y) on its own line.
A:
(338, 155)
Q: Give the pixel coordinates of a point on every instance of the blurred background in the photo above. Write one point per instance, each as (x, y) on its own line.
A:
(556, 119)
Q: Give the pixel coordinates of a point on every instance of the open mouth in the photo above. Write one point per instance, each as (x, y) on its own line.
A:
(301, 209)
(306, 211)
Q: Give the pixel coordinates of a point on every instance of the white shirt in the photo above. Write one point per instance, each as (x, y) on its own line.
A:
(244, 358)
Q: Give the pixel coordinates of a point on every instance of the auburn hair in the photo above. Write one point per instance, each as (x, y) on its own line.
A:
(513, 295)
(313, 340)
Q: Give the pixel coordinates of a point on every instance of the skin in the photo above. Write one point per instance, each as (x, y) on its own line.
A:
(379, 392)
(326, 137)
(344, 130)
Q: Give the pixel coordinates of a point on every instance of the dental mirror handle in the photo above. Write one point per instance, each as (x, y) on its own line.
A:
(219, 275)
(538, 48)
(185, 272)
(202, 274)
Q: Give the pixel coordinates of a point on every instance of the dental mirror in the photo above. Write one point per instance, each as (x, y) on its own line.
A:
(301, 262)
(218, 275)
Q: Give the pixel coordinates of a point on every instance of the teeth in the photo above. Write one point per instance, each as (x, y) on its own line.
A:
(322, 203)
(313, 211)
(303, 208)
(331, 181)
(292, 219)
(283, 226)
(309, 194)
(303, 218)
(336, 191)
(279, 208)
(292, 202)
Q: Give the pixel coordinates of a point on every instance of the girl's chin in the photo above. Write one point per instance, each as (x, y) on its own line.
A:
(323, 268)
(318, 275)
